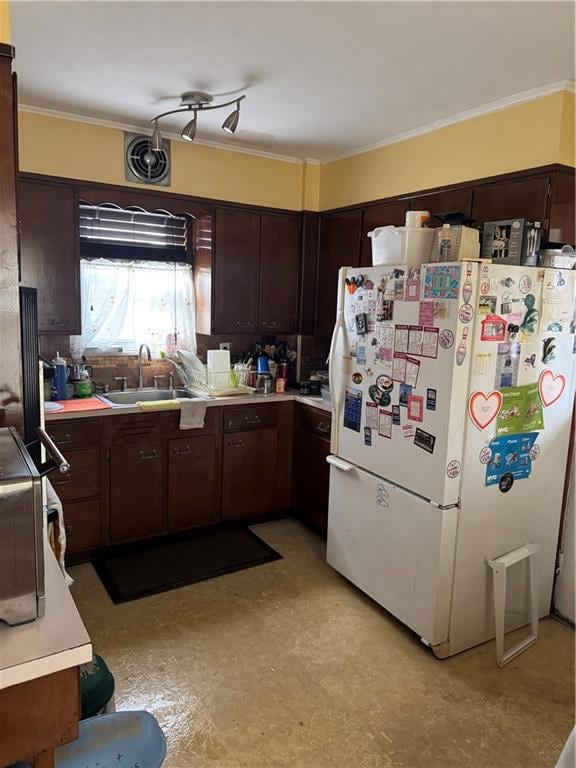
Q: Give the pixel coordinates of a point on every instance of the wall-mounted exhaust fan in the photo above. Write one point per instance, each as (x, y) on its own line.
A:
(143, 165)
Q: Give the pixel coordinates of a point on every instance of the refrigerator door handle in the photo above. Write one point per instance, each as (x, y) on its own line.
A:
(339, 463)
(335, 359)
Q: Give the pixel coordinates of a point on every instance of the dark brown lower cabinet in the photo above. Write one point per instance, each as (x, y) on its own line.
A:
(137, 490)
(249, 473)
(311, 471)
(83, 527)
(192, 482)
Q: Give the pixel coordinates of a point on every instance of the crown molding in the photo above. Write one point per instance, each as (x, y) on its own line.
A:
(485, 109)
(134, 128)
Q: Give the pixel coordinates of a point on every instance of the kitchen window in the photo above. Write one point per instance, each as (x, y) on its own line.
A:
(136, 281)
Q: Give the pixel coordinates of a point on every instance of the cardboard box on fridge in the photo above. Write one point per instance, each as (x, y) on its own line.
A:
(456, 243)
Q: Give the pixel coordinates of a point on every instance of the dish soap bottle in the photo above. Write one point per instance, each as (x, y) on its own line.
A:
(60, 377)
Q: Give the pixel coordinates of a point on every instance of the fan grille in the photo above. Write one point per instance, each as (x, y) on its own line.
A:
(143, 165)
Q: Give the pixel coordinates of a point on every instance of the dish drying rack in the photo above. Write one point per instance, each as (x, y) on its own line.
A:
(209, 384)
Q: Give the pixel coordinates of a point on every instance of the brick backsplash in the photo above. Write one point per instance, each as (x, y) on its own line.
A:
(312, 356)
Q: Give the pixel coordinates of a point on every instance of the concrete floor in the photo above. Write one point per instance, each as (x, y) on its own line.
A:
(288, 666)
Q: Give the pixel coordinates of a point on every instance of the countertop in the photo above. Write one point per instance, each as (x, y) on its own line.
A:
(54, 642)
(316, 402)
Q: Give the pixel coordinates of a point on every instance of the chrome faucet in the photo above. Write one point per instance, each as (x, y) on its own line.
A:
(147, 348)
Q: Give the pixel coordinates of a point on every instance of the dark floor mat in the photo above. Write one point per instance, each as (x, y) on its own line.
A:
(166, 566)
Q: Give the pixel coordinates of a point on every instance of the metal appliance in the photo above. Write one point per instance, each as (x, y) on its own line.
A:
(21, 526)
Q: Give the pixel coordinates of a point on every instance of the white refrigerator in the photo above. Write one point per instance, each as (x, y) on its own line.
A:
(452, 388)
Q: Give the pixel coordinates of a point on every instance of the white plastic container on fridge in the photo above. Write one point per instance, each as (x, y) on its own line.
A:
(401, 245)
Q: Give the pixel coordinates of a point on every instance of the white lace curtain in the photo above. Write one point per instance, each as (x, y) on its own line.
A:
(128, 303)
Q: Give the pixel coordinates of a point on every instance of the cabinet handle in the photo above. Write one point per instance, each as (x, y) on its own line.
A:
(323, 428)
(236, 443)
(66, 440)
(60, 324)
(68, 530)
(252, 419)
(178, 452)
(273, 324)
(243, 325)
(144, 456)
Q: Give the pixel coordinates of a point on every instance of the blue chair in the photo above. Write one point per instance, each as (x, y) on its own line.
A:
(122, 739)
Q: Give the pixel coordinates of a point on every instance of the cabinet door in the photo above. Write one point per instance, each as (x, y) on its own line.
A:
(49, 254)
(340, 235)
(562, 210)
(311, 476)
(82, 521)
(393, 214)
(237, 247)
(280, 248)
(249, 473)
(455, 201)
(522, 199)
(192, 482)
(137, 491)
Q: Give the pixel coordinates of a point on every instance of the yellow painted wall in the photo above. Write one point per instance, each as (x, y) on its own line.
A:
(527, 135)
(567, 152)
(59, 147)
(524, 136)
(5, 32)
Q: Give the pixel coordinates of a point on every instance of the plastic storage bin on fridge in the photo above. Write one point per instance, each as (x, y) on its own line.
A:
(401, 245)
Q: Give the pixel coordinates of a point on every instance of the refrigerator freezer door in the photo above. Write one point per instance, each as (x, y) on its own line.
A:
(400, 369)
(394, 546)
(515, 460)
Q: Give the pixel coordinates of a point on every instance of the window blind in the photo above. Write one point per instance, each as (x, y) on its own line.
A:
(109, 231)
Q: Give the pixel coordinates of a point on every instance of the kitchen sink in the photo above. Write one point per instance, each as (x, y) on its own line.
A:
(133, 396)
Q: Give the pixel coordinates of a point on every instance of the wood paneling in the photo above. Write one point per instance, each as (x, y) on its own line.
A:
(340, 236)
(280, 248)
(11, 413)
(37, 716)
(237, 247)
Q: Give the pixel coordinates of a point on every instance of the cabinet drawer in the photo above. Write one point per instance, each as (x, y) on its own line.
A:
(138, 428)
(247, 417)
(316, 421)
(83, 479)
(83, 525)
(75, 434)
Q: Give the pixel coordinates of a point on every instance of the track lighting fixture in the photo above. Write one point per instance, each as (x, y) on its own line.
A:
(196, 101)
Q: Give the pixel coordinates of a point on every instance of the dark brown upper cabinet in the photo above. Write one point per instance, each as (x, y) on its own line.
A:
(390, 214)
(562, 206)
(522, 199)
(280, 248)
(236, 261)
(49, 254)
(340, 235)
(447, 201)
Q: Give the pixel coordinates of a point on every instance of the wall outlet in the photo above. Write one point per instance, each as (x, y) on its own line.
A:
(225, 345)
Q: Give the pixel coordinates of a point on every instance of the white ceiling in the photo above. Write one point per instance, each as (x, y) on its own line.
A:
(322, 78)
